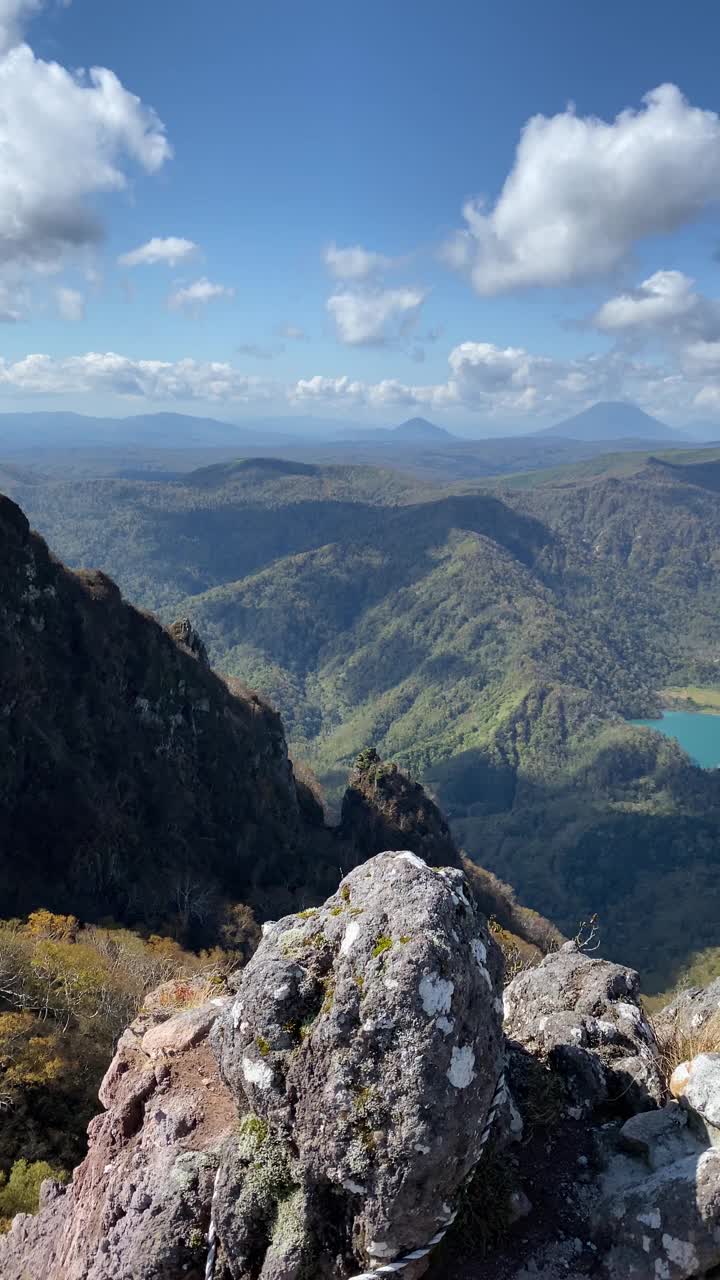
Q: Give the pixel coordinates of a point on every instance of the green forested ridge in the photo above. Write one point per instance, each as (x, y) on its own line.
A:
(491, 642)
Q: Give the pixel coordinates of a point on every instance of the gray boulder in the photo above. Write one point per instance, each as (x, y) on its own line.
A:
(666, 1227)
(697, 1085)
(583, 1017)
(366, 1038)
(658, 1137)
(690, 1010)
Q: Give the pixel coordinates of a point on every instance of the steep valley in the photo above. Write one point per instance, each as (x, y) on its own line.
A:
(493, 642)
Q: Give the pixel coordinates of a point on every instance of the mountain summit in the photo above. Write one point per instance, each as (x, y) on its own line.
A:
(421, 429)
(613, 420)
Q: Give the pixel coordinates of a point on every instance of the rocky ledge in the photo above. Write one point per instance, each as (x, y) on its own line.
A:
(350, 1107)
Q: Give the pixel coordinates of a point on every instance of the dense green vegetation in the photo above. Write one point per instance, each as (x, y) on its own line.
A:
(491, 642)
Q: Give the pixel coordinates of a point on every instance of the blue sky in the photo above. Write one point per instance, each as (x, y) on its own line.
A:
(253, 145)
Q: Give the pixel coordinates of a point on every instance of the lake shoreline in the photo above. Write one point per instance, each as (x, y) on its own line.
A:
(696, 730)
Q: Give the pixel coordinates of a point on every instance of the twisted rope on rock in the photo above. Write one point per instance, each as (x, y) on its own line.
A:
(389, 1268)
(392, 1268)
(212, 1232)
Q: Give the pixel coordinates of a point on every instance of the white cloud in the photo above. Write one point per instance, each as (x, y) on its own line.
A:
(512, 387)
(118, 375)
(665, 304)
(370, 317)
(498, 383)
(582, 192)
(64, 138)
(170, 250)
(13, 15)
(71, 304)
(354, 262)
(193, 296)
(701, 357)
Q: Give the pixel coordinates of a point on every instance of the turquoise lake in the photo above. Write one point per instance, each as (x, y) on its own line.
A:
(697, 734)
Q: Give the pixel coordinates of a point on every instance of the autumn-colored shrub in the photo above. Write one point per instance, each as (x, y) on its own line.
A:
(21, 1191)
(67, 991)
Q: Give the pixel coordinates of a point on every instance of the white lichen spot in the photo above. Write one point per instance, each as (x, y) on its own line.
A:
(352, 934)
(237, 1011)
(479, 950)
(462, 1067)
(662, 1269)
(651, 1219)
(682, 1253)
(498, 1006)
(629, 1011)
(257, 1073)
(354, 1187)
(282, 992)
(646, 1244)
(380, 1249)
(445, 1025)
(268, 926)
(391, 983)
(412, 858)
(424, 1151)
(436, 994)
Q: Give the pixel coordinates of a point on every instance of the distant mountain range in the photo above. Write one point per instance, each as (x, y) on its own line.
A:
(59, 431)
(63, 430)
(614, 420)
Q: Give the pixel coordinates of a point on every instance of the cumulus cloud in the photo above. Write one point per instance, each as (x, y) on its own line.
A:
(354, 262)
(665, 304)
(198, 294)
(370, 317)
(71, 304)
(497, 382)
(170, 250)
(582, 192)
(64, 138)
(118, 375)
(13, 17)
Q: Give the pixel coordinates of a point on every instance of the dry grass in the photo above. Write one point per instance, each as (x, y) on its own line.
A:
(679, 1043)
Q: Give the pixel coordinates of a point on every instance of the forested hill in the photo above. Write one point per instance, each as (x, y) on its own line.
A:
(492, 641)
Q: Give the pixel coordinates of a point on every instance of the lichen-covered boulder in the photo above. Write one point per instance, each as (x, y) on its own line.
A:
(367, 1038)
(583, 1016)
(666, 1226)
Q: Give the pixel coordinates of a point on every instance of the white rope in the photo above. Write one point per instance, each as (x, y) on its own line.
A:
(389, 1268)
(212, 1232)
(392, 1268)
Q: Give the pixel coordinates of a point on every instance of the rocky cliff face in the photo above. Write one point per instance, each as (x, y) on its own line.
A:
(132, 782)
(136, 783)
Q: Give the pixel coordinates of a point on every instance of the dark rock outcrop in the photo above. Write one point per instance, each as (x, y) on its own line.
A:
(367, 1040)
(132, 782)
(184, 633)
(384, 809)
